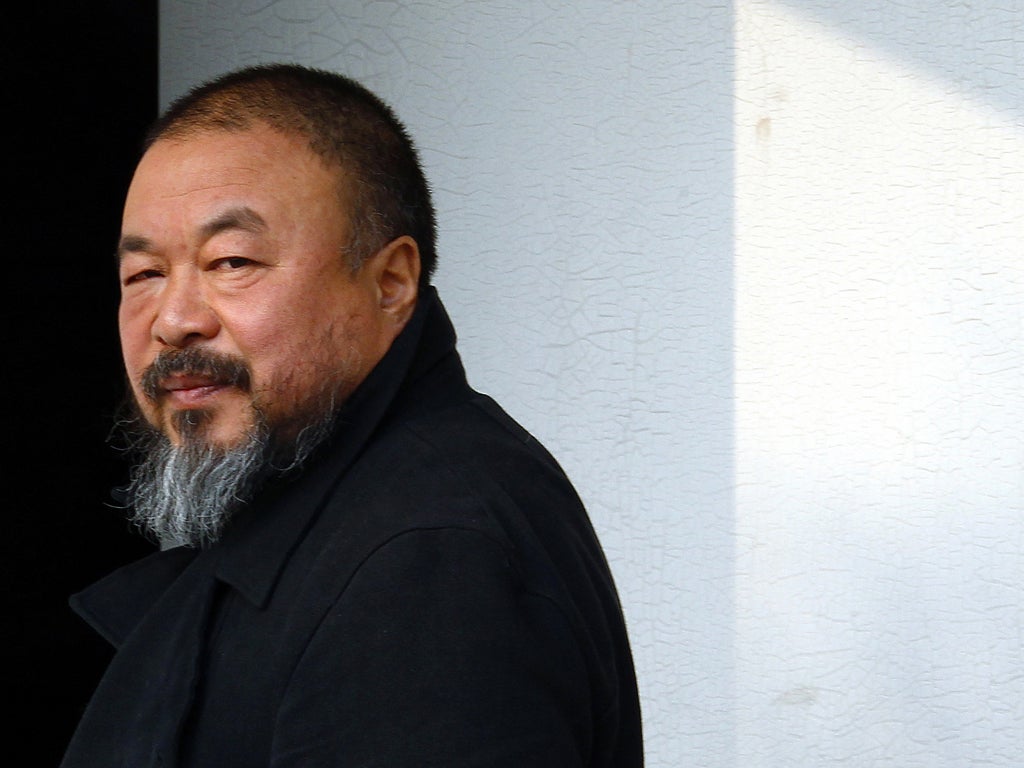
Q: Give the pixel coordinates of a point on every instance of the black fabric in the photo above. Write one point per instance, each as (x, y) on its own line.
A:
(428, 592)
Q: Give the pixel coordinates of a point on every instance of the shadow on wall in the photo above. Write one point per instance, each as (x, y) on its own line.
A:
(951, 41)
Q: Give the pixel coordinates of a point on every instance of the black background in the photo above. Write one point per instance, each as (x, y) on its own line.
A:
(81, 86)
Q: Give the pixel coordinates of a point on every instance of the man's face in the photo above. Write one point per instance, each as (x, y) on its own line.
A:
(231, 253)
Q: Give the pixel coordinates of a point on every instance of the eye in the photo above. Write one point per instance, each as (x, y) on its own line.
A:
(138, 277)
(231, 263)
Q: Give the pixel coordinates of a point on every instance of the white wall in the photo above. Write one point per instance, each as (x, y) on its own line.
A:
(748, 269)
(879, 386)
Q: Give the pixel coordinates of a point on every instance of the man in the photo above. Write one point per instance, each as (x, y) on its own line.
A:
(364, 562)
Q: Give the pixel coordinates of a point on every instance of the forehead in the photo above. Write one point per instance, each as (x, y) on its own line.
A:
(210, 168)
(246, 156)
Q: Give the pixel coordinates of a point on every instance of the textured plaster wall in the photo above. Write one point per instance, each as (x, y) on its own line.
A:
(879, 389)
(750, 270)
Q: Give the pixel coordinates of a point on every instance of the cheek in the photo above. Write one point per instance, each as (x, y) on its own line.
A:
(304, 360)
(135, 366)
(274, 323)
(134, 355)
(134, 330)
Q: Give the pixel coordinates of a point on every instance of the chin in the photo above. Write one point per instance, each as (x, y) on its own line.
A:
(208, 426)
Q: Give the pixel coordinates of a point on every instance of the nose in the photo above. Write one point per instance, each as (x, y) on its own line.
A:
(184, 316)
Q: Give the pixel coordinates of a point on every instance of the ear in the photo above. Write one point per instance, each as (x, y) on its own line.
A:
(395, 271)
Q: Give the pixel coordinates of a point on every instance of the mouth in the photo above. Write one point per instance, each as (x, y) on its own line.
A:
(190, 391)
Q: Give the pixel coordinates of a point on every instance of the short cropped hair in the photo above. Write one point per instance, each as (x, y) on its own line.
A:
(346, 126)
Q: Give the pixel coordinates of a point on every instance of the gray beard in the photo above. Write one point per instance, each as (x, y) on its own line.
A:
(185, 495)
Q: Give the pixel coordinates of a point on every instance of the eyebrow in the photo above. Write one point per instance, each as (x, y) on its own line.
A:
(132, 244)
(242, 218)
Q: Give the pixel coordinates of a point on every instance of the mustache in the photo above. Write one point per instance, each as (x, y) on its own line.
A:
(220, 368)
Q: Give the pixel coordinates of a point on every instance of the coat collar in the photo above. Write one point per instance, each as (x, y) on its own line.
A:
(256, 547)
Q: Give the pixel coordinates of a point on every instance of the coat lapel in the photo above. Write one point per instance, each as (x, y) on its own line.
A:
(137, 713)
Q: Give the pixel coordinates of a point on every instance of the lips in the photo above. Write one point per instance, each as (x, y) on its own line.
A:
(190, 390)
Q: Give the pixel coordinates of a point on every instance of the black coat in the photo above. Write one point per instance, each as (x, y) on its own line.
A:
(428, 592)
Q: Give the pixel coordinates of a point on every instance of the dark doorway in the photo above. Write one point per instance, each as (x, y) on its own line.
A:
(81, 85)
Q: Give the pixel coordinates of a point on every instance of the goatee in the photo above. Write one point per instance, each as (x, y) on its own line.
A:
(186, 494)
